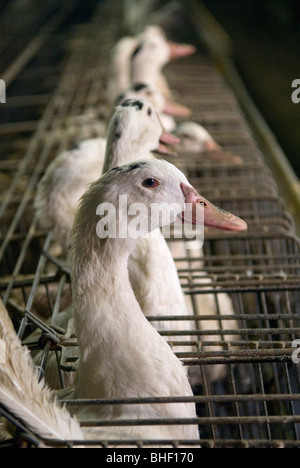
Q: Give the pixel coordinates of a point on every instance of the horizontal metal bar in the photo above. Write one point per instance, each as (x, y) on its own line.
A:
(27, 101)
(279, 354)
(28, 281)
(251, 289)
(205, 443)
(143, 422)
(251, 443)
(220, 317)
(18, 127)
(195, 399)
(239, 332)
(128, 443)
(200, 421)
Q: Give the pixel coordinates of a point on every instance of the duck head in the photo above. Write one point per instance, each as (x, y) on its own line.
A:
(176, 50)
(155, 50)
(152, 94)
(195, 138)
(135, 129)
(159, 185)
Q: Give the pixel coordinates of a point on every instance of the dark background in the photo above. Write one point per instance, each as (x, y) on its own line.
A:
(266, 39)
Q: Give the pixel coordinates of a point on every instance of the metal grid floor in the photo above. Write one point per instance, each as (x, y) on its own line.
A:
(256, 403)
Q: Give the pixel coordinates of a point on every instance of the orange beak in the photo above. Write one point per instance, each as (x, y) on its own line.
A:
(176, 110)
(167, 139)
(180, 50)
(213, 216)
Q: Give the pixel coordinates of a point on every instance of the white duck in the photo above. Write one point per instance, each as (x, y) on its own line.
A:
(68, 176)
(160, 51)
(194, 138)
(120, 67)
(121, 354)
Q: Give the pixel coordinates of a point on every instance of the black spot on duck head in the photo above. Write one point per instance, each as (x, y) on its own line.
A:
(116, 169)
(134, 166)
(139, 105)
(139, 87)
(137, 50)
(129, 167)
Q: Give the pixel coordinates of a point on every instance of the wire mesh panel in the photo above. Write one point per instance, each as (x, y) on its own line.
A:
(242, 290)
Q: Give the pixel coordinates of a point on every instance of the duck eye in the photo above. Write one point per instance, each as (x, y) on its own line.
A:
(149, 112)
(151, 183)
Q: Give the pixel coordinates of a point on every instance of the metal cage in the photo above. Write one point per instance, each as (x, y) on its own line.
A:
(256, 403)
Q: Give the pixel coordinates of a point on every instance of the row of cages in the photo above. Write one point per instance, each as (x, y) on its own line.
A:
(242, 289)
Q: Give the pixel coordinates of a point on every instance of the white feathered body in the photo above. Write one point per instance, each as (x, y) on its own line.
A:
(121, 354)
(159, 294)
(25, 397)
(63, 184)
(143, 366)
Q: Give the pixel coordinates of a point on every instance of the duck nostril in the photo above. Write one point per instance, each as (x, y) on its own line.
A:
(203, 203)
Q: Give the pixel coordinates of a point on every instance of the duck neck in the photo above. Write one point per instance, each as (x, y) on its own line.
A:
(105, 310)
(128, 148)
(145, 72)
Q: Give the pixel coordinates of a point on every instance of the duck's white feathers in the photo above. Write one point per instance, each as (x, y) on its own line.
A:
(69, 175)
(152, 94)
(25, 397)
(119, 66)
(194, 138)
(64, 182)
(158, 295)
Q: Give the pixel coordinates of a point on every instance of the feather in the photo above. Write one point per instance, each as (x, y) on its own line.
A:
(24, 396)
(5, 321)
